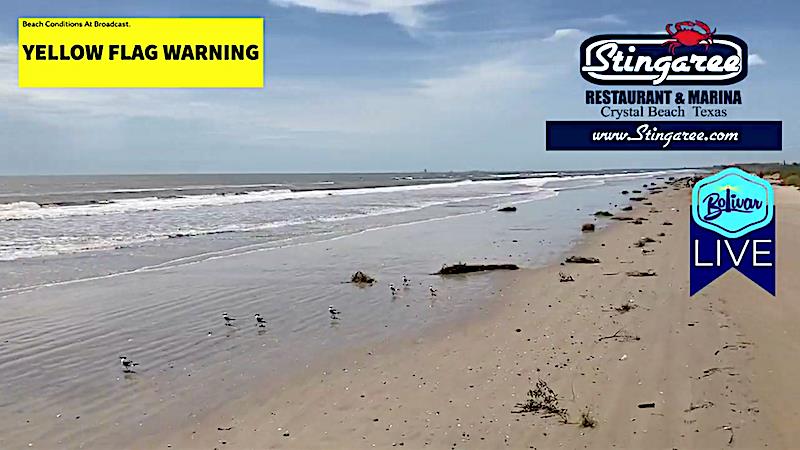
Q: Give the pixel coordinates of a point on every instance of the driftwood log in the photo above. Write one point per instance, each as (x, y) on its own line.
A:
(469, 268)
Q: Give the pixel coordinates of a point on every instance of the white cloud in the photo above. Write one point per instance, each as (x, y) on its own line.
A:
(483, 79)
(491, 87)
(566, 34)
(408, 13)
(754, 59)
(606, 19)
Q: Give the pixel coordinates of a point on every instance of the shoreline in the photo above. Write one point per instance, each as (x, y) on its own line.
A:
(191, 365)
(458, 387)
(218, 427)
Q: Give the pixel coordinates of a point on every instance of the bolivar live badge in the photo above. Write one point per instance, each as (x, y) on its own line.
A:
(732, 226)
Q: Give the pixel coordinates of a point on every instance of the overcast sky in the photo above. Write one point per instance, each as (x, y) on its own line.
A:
(379, 85)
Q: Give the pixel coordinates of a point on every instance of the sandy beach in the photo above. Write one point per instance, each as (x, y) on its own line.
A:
(647, 365)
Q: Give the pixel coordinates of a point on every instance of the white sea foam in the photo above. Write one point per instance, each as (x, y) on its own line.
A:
(30, 210)
(110, 225)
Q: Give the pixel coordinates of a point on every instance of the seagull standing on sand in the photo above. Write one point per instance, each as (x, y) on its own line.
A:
(334, 312)
(433, 291)
(228, 320)
(393, 289)
(127, 364)
(406, 281)
(260, 321)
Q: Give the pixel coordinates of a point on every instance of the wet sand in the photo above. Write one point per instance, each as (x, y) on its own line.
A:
(62, 332)
(718, 369)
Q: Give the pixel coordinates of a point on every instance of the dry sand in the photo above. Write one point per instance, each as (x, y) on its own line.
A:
(720, 367)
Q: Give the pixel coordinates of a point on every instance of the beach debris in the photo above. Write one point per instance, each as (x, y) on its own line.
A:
(361, 278)
(432, 290)
(623, 357)
(622, 219)
(692, 406)
(333, 312)
(644, 240)
(728, 428)
(667, 223)
(637, 199)
(620, 335)
(228, 319)
(637, 221)
(469, 268)
(603, 214)
(639, 273)
(507, 209)
(662, 234)
(224, 428)
(627, 208)
(260, 322)
(713, 370)
(647, 405)
(737, 346)
(624, 192)
(127, 364)
(406, 281)
(564, 278)
(626, 307)
(582, 260)
(542, 400)
(587, 227)
(587, 419)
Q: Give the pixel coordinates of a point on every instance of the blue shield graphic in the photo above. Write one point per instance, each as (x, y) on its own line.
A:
(732, 226)
(732, 203)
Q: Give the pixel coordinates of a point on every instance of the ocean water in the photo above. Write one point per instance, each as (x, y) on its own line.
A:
(97, 267)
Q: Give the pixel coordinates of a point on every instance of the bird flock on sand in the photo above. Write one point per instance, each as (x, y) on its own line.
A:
(128, 364)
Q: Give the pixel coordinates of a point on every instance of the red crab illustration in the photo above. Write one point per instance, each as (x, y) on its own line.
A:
(686, 35)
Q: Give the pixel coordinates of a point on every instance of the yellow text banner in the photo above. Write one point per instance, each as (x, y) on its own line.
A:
(141, 52)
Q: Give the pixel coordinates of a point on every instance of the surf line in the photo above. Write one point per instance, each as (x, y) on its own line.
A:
(222, 254)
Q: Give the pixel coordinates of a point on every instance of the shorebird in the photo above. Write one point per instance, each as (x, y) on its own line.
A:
(127, 364)
(334, 312)
(433, 291)
(406, 281)
(260, 321)
(228, 320)
(393, 289)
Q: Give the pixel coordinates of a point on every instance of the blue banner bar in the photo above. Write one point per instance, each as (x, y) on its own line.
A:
(664, 135)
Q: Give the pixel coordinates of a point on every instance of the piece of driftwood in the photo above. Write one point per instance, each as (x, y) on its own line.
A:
(582, 260)
(639, 273)
(361, 278)
(469, 268)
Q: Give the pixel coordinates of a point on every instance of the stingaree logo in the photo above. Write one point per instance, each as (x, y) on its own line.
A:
(690, 53)
(732, 226)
